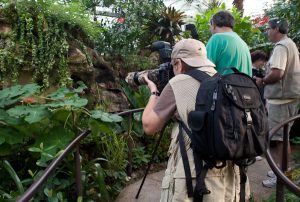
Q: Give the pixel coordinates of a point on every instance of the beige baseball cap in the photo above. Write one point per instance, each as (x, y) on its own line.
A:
(192, 52)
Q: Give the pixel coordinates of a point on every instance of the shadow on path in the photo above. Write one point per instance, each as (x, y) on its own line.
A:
(151, 189)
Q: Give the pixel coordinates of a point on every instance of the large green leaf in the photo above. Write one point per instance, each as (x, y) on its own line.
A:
(71, 101)
(98, 127)
(9, 96)
(58, 136)
(64, 92)
(31, 113)
(2, 140)
(80, 88)
(100, 180)
(106, 117)
(5, 118)
(59, 94)
(11, 136)
(5, 149)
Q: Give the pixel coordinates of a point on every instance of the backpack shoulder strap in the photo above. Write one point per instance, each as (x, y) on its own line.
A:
(197, 74)
(185, 161)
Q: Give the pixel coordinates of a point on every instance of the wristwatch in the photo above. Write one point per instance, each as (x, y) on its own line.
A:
(156, 93)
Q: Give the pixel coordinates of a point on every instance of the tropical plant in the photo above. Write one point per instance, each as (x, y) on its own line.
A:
(168, 25)
(124, 37)
(239, 4)
(211, 4)
(28, 119)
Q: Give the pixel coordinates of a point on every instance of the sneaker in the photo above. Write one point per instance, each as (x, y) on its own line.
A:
(269, 183)
(258, 158)
(271, 174)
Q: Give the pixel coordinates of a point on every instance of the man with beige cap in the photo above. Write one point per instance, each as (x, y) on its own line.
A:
(176, 100)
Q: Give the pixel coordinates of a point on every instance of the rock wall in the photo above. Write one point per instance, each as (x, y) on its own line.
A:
(103, 86)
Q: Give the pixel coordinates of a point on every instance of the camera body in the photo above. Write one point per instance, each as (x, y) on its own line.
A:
(260, 73)
(160, 76)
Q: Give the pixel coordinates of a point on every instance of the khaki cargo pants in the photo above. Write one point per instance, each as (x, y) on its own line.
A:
(223, 184)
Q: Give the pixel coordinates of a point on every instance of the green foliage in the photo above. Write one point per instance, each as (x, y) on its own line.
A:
(243, 27)
(288, 197)
(139, 97)
(140, 157)
(44, 125)
(14, 176)
(93, 177)
(167, 26)
(38, 42)
(9, 96)
(127, 40)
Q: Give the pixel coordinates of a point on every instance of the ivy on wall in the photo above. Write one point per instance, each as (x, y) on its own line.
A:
(39, 38)
(36, 44)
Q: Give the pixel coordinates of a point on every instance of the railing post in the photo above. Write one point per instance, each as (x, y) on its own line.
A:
(284, 164)
(78, 173)
(130, 145)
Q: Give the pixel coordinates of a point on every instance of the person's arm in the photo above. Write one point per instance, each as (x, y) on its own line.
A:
(272, 77)
(151, 121)
(278, 62)
(212, 49)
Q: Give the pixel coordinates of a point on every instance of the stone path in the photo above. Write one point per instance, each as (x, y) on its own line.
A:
(151, 189)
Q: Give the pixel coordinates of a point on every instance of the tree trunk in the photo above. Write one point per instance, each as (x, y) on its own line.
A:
(239, 4)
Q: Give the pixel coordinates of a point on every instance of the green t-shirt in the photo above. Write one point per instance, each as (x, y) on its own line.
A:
(229, 50)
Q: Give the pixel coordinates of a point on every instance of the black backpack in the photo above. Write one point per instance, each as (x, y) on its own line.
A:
(229, 123)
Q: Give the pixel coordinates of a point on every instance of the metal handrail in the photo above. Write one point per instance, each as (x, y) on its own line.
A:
(282, 180)
(37, 184)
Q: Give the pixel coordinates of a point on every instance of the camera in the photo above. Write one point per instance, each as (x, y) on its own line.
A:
(160, 76)
(259, 73)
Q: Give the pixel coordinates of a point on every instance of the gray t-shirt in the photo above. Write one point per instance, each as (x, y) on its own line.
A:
(166, 105)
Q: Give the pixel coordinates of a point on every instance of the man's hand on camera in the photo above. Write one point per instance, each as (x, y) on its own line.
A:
(151, 85)
(259, 81)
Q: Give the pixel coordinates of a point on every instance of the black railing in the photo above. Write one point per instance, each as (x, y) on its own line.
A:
(282, 179)
(37, 184)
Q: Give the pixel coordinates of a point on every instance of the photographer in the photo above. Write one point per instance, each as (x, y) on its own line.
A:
(259, 59)
(178, 99)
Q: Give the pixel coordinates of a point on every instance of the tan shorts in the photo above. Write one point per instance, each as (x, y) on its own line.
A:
(223, 184)
(279, 113)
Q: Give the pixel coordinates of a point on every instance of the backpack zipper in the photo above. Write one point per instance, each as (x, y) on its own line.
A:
(215, 96)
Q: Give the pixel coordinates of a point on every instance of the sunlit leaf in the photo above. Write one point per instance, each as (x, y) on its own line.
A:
(73, 101)
(106, 117)
(80, 88)
(34, 149)
(137, 116)
(59, 94)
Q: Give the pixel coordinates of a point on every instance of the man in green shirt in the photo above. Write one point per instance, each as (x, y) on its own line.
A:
(225, 48)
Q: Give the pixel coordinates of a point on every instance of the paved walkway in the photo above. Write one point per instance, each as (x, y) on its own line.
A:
(151, 189)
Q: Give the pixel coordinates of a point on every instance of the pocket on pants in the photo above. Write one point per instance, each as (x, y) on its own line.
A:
(166, 189)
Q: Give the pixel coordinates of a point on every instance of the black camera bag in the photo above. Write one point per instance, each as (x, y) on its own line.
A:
(229, 123)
